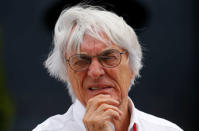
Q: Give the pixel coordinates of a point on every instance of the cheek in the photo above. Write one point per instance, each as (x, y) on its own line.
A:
(121, 76)
(76, 83)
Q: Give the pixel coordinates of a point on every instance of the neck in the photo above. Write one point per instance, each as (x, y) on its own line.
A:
(123, 124)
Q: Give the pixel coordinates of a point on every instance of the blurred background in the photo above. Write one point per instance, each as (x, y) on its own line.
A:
(168, 32)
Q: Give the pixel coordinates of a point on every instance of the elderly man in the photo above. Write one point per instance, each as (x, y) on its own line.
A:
(98, 55)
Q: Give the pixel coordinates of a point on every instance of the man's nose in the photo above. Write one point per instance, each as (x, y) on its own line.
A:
(95, 69)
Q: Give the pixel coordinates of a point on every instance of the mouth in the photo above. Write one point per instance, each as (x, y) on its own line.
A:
(99, 88)
(96, 90)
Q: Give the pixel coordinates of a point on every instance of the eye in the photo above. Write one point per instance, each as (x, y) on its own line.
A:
(106, 58)
(79, 60)
(80, 63)
(110, 58)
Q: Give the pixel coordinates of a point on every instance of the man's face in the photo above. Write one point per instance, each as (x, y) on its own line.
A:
(98, 79)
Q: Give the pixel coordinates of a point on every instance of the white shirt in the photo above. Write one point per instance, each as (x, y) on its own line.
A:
(72, 121)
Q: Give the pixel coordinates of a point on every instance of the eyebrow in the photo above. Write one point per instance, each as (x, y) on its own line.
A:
(84, 53)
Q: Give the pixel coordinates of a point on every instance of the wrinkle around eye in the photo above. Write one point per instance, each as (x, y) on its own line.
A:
(81, 63)
(107, 58)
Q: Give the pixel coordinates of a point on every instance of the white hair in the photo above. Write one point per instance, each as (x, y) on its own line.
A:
(75, 22)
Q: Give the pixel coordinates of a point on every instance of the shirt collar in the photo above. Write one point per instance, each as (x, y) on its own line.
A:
(79, 111)
(133, 119)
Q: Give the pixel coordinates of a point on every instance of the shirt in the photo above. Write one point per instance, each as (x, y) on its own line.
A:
(73, 120)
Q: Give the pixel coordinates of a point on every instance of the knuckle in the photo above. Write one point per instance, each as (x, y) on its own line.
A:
(104, 106)
(112, 112)
(92, 101)
(109, 111)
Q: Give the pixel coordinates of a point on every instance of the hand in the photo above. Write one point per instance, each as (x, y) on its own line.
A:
(100, 111)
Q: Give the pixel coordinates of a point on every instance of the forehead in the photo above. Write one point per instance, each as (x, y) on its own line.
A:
(93, 46)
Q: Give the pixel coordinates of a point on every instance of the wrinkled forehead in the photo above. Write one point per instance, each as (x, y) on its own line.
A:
(91, 44)
(89, 41)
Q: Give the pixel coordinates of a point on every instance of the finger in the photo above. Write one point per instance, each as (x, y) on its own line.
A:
(104, 112)
(101, 119)
(96, 101)
(103, 107)
(96, 114)
(110, 115)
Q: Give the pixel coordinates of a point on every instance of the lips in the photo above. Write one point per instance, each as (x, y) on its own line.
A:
(96, 90)
(99, 88)
(104, 85)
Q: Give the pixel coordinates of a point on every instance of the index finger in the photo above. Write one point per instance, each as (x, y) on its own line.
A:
(96, 101)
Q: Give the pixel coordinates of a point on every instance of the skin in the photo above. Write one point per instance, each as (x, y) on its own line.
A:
(106, 104)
